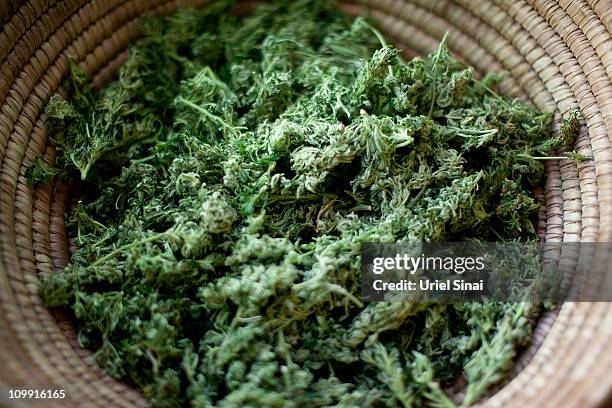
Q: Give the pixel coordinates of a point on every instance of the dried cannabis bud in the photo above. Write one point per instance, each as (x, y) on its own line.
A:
(222, 214)
(40, 173)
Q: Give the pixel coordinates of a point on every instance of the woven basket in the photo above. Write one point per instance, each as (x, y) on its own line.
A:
(559, 56)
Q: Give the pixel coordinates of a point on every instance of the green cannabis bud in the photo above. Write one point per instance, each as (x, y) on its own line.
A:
(40, 173)
(230, 174)
(217, 214)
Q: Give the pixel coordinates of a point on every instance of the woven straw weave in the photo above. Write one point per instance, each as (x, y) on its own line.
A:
(559, 56)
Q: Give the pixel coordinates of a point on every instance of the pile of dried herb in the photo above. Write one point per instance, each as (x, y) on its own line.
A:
(229, 176)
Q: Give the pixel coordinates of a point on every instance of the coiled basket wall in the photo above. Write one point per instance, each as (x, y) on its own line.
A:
(558, 55)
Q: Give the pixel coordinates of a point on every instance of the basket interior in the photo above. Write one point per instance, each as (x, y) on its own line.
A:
(558, 57)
